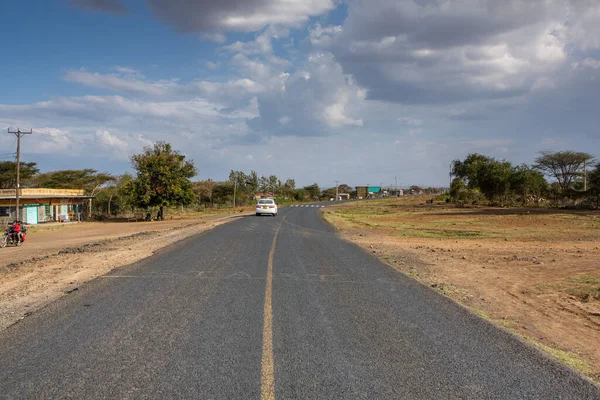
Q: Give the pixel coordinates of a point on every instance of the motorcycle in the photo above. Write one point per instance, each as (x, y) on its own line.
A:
(10, 237)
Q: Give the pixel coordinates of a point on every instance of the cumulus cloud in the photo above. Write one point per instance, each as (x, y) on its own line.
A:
(317, 97)
(236, 15)
(446, 51)
(438, 78)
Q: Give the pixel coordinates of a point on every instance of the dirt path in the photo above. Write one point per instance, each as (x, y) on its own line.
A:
(56, 260)
(47, 239)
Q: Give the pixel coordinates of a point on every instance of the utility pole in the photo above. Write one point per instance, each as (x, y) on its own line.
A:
(336, 191)
(18, 134)
(396, 181)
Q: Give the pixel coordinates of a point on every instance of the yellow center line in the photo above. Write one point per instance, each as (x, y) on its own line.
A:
(267, 389)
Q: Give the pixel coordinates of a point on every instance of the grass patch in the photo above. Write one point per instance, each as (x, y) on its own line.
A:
(443, 234)
(564, 357)
(584, 287)
(585, 293)
(591, 280)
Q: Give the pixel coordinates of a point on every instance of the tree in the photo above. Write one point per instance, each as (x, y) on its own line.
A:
(290, 184)
(240, 179)
(288, 187)
(344, 188)
(488, 175)
(89, 180)
(564, 166)
(313, 190)
(329, 193)
(8, 174)
(163, 177)
(252, 182)
(456, 188)
(274, 183)
(204, 189)
(121, 197)
(527, 182)
(494, 179)
(468, 170)
(116, 197)
(594, 186)
(300, 194)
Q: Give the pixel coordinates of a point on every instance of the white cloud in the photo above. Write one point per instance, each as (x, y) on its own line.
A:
(454, 51)
(104, 137)
(335, 116)
(436, 77)
(318, 97)
(260, 45)
(323, 37)
(125, 81)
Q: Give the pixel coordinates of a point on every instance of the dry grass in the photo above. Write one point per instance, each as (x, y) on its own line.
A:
(533, 271)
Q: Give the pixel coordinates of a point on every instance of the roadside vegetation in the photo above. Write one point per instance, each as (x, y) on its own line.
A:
(161, 185)
(479, 179)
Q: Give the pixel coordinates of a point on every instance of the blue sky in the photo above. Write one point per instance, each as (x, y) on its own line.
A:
(317, 90)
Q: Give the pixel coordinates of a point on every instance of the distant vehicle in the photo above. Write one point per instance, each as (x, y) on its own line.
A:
(266, 206)
(331, 199)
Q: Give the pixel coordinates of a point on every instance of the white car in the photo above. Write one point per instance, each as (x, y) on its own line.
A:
(266, 206)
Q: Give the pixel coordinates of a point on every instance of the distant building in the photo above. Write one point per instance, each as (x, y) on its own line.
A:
(43, 205)
(368, 191)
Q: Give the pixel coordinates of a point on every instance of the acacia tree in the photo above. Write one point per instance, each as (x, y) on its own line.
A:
(564, 166)
(163, 177)
(89, 180)
(8, 174)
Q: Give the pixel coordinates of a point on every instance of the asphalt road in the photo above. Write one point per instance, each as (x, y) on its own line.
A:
(268, 308)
